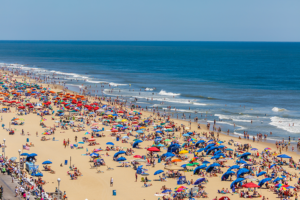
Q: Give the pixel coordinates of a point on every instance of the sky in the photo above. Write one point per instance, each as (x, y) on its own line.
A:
(156, 20)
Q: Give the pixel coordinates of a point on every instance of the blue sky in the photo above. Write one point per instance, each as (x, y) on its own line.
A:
(171, 20)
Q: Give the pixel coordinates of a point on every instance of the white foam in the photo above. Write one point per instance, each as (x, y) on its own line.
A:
(287, 124)
(275, 109)
(149, 89)
(163, 92)
(90, 81)
(116, 84)
(243, 118)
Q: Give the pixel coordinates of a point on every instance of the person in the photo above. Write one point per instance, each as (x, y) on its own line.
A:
(136, 176)
(28, 195)
(111, 182)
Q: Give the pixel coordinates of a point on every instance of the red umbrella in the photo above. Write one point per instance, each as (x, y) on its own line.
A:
(120, 111)
(168, 126)
(153, 149)
(137, 156)
(136, 117)
(250, 185)
(114, 130)
(135, 122)
(91, 139)
(223, 198)
(21, 107)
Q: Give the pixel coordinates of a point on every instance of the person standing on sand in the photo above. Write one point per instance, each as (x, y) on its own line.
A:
(111, 182)
(136, 176)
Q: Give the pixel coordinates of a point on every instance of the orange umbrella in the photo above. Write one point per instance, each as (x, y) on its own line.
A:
(176, 160)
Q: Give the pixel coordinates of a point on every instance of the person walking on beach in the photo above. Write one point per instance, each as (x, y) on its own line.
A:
(111, 182)
(136, 176)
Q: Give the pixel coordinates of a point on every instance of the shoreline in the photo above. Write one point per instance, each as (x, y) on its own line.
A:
(92, 179)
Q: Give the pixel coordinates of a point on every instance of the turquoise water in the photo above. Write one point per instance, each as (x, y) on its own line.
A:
(235, 82)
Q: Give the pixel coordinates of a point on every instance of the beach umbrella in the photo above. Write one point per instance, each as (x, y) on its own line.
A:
(80, 142)
(277, 179)
(37, 174)
(158, 172)
(137, 156)
(110, 143)
(119, 152)
(205, 162)
(200, 150)
(236, 181)
(32, 155)
(228, 149)
(224, 197)
(153, 149)
(176, 160)
(226, 175)
(47, 162)
(254, 149)
(94, 155)
(241, 172)
(13, 158)
(183, 152)
(166, 191)
(244, 155)
(250, 185)
(198, 181)
(263, 181)
(91, 140)
(284, 156)
(24, 154)
(121, 159)
(241, 162)
(168, 154)
(198, 168)
(261, 173)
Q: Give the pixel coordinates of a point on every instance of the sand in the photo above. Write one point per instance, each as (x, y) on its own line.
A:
(93, 185)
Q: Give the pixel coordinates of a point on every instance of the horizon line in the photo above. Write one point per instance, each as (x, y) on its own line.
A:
(147, 41)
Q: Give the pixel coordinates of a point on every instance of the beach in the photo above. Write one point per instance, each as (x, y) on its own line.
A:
(92, 185)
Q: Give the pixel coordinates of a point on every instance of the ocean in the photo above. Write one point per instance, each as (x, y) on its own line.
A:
(233, 83)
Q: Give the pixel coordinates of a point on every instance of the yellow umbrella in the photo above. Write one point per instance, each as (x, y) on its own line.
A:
(124, 120)
(183, 152)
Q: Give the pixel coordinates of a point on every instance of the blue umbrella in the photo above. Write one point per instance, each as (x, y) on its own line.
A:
(272, 166)
(158, 131)
(244, 155)
(169, 154)
(263, 181)
(110, 143)
(121, 159)
(80, 142)
(205, 162)
(241, 162)
(198, 181)
(24, 154)
(32, 155)
(139, 131)
(94, 154)
(241, 172)
(226, 175)
(13, 158)
(125, 137)
(46, 162)
(185, 135)
(236, 181)
(254, 149)
(283, 156)
(199, 167)
(277, 179)
(165, 191)
(158, 172)
(199, 150)
(37, 174)
(118, 153)
(184, 165)
(228, 149)
(261, 173)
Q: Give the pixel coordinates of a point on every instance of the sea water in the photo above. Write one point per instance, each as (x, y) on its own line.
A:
(234, 83)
